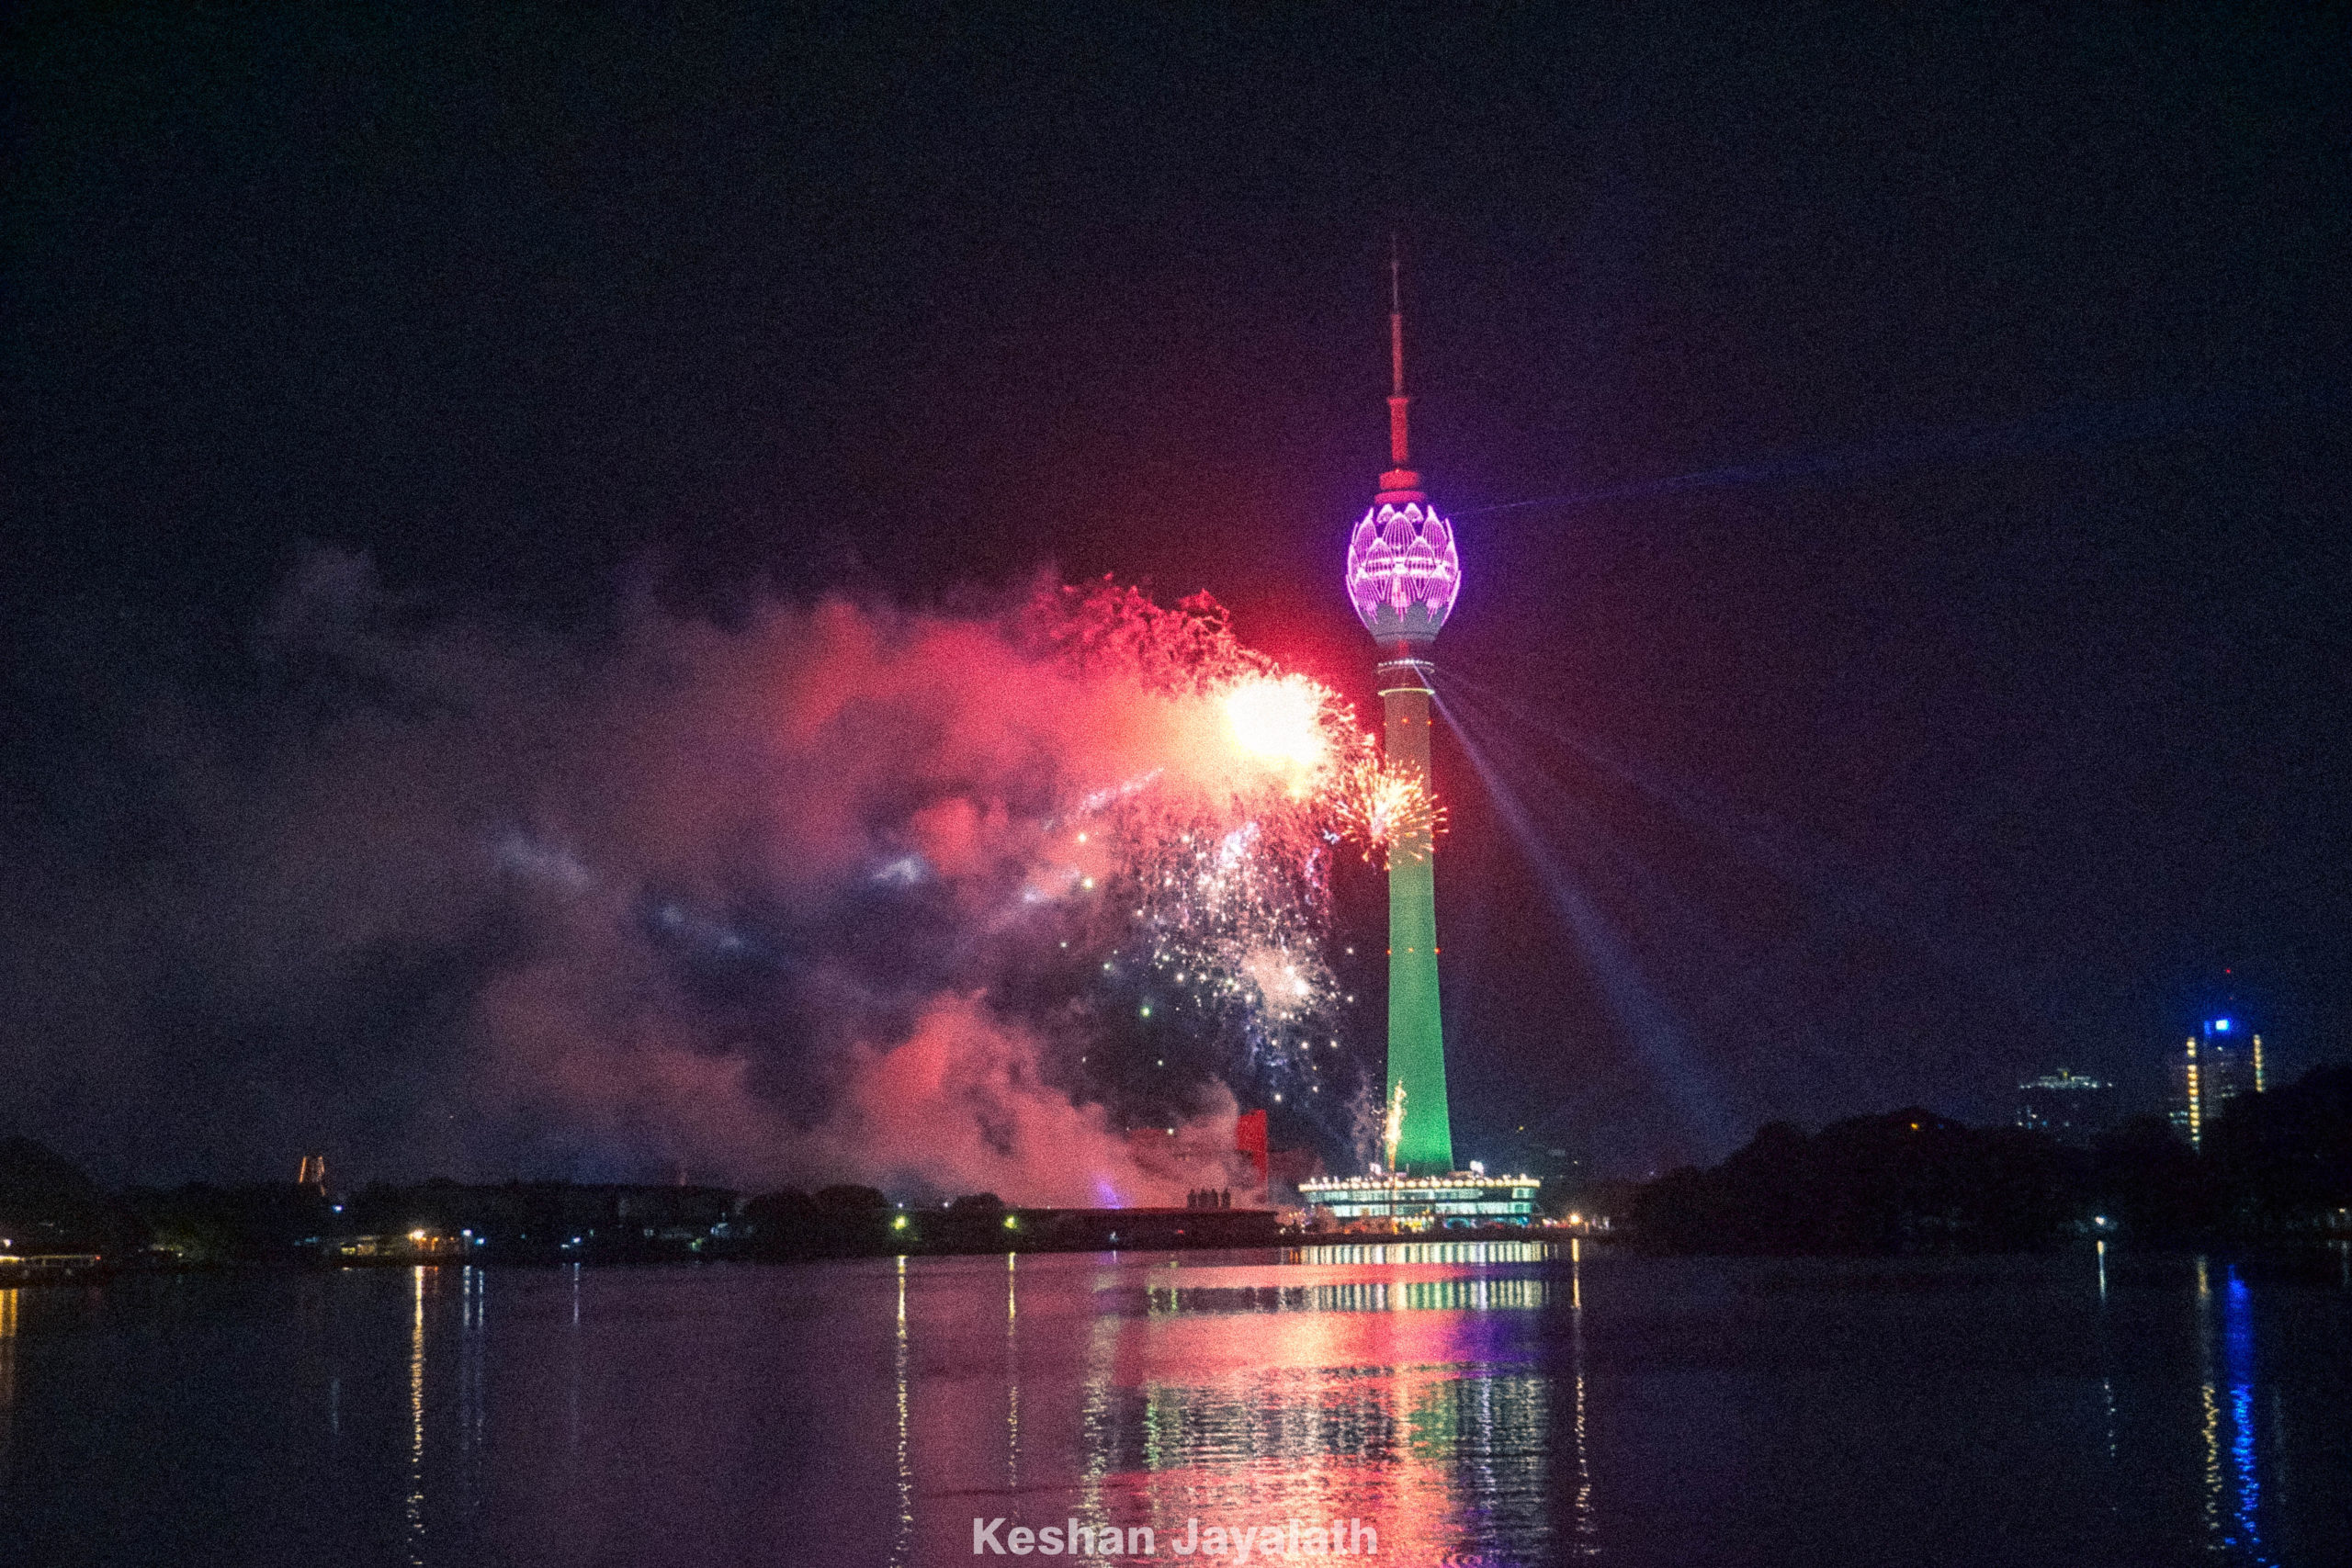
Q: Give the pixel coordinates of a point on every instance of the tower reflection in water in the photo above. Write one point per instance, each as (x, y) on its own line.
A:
(1395, 1385)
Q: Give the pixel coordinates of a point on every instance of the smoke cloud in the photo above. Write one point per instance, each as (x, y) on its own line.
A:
(843, 892)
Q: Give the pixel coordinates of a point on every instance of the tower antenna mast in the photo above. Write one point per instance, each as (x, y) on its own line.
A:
(1398, 451)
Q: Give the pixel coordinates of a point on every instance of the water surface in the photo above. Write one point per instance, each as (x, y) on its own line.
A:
(1503, 1404)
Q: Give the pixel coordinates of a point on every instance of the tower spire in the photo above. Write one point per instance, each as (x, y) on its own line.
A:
(1398, 403)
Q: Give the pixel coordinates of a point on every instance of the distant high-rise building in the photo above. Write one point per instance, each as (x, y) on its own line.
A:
(2216, 1064)
(2071, 1107)
(313, 1174)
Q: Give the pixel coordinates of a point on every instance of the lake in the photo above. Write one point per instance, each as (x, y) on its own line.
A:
(1501, 1402)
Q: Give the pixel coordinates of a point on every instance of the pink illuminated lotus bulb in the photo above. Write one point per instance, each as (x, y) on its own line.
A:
(1403, 572)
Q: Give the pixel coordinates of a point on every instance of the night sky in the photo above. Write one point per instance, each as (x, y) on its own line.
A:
(1900, 462)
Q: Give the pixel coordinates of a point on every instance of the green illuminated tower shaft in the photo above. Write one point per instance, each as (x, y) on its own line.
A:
(1415, 1035)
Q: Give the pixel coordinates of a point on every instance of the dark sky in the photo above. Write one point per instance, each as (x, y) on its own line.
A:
(1977, 703)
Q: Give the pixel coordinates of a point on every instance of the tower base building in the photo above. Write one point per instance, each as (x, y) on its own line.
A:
(1458, 1200)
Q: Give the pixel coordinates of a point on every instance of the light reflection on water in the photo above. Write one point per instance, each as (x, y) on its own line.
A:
(1231, 1399)
(415, 1506)
(2244, 1536)
(1583, 1521)
(902, 1529)
(1499, 1403)
(7, 1376)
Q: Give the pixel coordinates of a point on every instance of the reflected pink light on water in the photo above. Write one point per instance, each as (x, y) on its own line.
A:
(1403, 1394)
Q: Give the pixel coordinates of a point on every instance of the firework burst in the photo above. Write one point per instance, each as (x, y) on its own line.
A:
(1388, 811)
(1213, 875)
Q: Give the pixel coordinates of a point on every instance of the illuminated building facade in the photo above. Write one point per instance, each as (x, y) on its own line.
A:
(1402, 575)
(2216, 1064)
(1460, 1198)
(2070, 1107)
